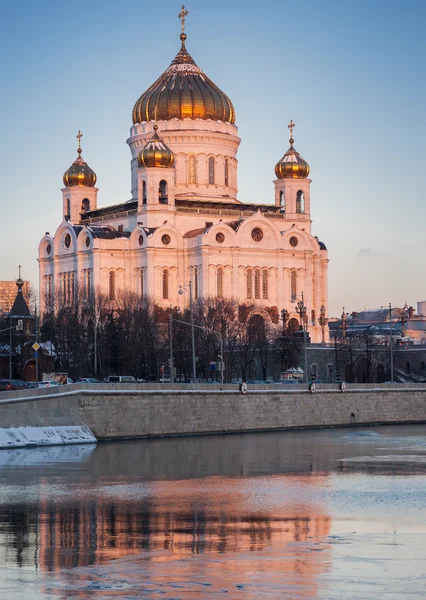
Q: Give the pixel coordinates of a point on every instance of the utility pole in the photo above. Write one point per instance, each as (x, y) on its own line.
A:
(171, 346)
(191, 307)
(391, 342)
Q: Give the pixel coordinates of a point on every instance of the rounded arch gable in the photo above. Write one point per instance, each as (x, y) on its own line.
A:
(267, 238)
(230, 236)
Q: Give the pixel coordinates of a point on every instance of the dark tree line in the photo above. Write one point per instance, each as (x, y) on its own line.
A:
(95, 336)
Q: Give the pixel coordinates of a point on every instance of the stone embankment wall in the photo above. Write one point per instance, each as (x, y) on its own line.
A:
(114, 411)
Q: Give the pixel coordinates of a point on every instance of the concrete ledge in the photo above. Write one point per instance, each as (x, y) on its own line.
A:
(117, 411)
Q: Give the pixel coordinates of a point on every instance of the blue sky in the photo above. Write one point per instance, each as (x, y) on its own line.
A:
(350, 74)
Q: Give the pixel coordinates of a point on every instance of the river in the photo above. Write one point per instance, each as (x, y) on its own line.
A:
(328, 514)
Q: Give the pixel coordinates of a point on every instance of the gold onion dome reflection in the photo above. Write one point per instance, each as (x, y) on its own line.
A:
(292, 165)
(183, 92)
(79, 172)
(156, 153)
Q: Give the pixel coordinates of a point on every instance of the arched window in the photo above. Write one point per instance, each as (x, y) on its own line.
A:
(111, 285)
(219, 282)
(192, 170)
(293, 286)
(249, 284)
(196, 282)
(144, 192)
(211, 170)
(141, 276)
(282, 202)
(85, 205)
(300, 202)
(265, 284)
(407, 367)
(68, 211)
(162, 192)
(226, 172)
(165, 285)
(422, 366)
(257, 284)
(313, 317)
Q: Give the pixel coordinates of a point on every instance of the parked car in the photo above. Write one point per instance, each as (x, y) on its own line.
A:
(6, 385)
(19, 384)
(87, 380)
(121, 379)
(48, 384)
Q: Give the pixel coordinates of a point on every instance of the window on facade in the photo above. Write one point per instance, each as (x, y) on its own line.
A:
(111, 285)
(313, 317)
(226, 172)
(293, 287)
(85, 205)
(162, 192)
(265, 284)
(141, 276)
(219, 276)
(300, 202)
(249, 284)
(68, 209)
(257, 284)
(67, 287)
(120, 228)
(196, 283)
(165, 285)
(282, 202)
(48, 290)
(144, 192)
(211, 170)
(192, 170)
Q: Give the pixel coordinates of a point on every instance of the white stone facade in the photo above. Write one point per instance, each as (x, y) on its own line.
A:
(185, 224)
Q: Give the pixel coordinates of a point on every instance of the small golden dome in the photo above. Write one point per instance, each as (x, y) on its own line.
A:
(183, 92)
(79, 172)
(292, 165)
(156, 153)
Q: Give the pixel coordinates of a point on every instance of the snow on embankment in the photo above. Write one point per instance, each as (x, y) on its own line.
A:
(19, 437)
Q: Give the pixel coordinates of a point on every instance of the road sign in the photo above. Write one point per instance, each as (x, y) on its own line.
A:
(36, 346)
(35, 354)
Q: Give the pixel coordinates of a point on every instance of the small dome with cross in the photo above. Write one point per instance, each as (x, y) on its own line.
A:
(156, 153)
(79, 172)
(292, 165)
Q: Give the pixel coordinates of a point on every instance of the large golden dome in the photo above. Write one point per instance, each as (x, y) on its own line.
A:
(292, 165)
(79, 172)
(183, 92)
(156, 153)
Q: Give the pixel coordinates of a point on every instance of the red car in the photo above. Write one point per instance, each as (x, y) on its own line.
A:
(6, 385)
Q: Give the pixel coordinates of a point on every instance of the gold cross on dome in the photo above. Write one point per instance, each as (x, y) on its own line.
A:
(19, 270)
(183, 13)
(79, 136)
(291, 126)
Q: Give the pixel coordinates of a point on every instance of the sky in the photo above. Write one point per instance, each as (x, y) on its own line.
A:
(350, 74)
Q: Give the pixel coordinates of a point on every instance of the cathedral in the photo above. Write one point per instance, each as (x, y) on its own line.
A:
(184, 223)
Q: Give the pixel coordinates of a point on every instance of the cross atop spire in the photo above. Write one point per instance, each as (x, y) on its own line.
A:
(79, 136)
(291, 126)
(19, 271)
(183, 13)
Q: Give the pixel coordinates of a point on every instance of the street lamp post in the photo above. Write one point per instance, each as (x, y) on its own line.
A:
(191, 309)
(301, 310)
(391, 342)
(171, 346)
(323, 323)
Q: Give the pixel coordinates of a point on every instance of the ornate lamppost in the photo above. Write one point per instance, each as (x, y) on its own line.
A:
(323, 322)
(285, 315)
(403, 318)
(302, 312)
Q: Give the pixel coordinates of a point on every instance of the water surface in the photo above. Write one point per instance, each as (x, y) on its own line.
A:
(327, 514)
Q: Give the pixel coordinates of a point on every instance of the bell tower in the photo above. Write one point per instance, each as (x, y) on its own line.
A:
(292, 186)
